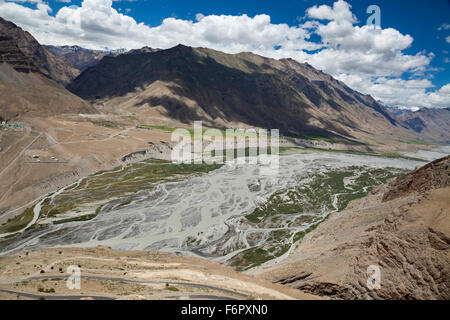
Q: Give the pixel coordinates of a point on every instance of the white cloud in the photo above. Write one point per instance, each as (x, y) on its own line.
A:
(339, 12)
(367, 58)
(96, 24)
(447, 39)
(445, 26)
(29, 1)
(401, 93)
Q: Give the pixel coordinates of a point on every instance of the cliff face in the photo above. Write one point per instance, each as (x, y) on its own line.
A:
(10, 53)
(45, 61)
(402, 228)
(31, 78)
(434, 175)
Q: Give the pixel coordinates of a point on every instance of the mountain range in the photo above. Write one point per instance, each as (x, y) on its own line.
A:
(219, 88)
(81, 58)
(80, 120)
(186, 84)
(432, 124)
(45, 61)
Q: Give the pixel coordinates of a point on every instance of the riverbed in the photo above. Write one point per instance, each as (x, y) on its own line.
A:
(226, 214)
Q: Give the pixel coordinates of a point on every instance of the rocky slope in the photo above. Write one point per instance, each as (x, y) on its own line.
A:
(31, 94)
(26, 73)
(434, 175)
(403, 228)
(197, 83)
(11, 54)
(433, 124)
(47, 63)
(81, 58)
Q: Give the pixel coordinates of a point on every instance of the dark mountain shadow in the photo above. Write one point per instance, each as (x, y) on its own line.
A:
(234, 89)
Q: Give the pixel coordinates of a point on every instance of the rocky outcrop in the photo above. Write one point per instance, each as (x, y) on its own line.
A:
(29, 75)
(434, 175)
(10, 53)
(161, 151)
(45, 61)
(407, 236)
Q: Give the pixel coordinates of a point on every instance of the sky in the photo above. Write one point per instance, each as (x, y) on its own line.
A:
(404, 61)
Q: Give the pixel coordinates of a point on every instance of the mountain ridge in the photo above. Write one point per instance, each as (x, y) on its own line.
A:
(81, 58)
(31, 79)
(45, 61)
(433, 124)
(220, 88)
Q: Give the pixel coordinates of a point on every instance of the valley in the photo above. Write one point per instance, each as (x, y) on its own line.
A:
(231, 214)
(88, 178)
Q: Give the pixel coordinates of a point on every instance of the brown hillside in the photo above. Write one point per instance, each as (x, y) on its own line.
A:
(47, 63)
(198, 83)
(434, 175)
(407, 236)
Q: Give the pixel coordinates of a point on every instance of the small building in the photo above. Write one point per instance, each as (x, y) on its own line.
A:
(35, 156)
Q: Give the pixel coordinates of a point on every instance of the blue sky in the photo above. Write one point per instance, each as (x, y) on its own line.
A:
(405, 62)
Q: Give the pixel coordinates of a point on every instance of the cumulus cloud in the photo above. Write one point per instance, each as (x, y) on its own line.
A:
(371, 60)
(398, 92)
(367, 58)
(339, 12)
(95, 24)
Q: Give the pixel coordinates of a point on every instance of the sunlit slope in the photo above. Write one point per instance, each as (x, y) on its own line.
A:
(198, 83)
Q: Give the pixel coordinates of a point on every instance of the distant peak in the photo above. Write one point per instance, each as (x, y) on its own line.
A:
(182, 47)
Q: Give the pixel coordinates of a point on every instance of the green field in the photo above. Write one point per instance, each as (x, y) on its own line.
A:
(392, 154)
(96, 190)
(17, 223)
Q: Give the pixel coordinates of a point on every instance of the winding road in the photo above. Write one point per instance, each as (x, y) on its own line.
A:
(99, 278)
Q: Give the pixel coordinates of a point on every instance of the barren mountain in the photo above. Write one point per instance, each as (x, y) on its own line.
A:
(46, 62)
(26, 88)
(81, 58)
(32, 94)
(11, 54)
(396, 111)
(403, 228)
(433, 124)
(187, 83)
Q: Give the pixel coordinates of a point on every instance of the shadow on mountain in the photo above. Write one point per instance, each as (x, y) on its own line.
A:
(231, 88)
